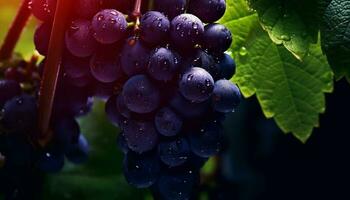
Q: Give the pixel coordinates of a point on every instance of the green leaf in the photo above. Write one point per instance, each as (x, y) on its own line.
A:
(335, 34)
(293, 23)
(290, 90)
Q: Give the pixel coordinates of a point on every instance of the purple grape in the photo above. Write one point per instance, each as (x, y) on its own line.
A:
(208, 11)
(109, 26)
(196, 85)
(217, 38)
(141, 95)
(226, 66)
(42, 38)
(140, 136)
(122, 144)
(51, 162)
(175, 152)
(8, 90)
(75, 67)
(171, 8)
(43, 9)
(187, 109)
(167, 122)
(122, 107)
(66, 131)
(134, 57)
(112, 112)
(154, 28)
(226, 96)
(186, 31)
(79, 39)
(87, 8)
(141, 171)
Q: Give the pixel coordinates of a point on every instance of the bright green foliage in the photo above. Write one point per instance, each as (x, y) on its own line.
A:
(336, 36)
(293, 23)
(288, 89)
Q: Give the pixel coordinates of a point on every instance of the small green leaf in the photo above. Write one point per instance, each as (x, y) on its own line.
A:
(293, 23)
(335, 34)
(290, 90)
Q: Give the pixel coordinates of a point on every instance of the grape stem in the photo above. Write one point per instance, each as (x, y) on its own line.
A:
(15, 31)
(137, 14)
(52, 69)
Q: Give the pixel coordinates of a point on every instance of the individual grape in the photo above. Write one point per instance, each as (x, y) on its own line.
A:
(79, 40)
(134, 57)
(43, 9)
(208, 141)
(187, 109)
(77, 153)
(186, 31)
(51, 162)
(176, 185)
(140, 136)
(75, 67)
(208, 11)
(109, 26)
(87, 8)
(154, 28)
(8, 90)
(226, 96)
(20, 114)
(122, 144)
(217, 38)
(112, 112)
(167, 122)
(141, 171)
(196, 85)
(227, 66)
(171, 8)
(42, 38)
(141, 95)
(105, 67)
(174, 153)
(163, 64)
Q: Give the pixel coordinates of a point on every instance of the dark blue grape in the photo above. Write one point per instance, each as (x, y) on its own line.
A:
(140, 94)
(122, 144)
(186, 31)
(8, 90)
(187, 109)
(208, 11)
(105, 67)
(217, 38)
(226, 65)
(207, 141)
(134, 57)
(168, 123)
(20, 114)
(51, 162)
(43, 9)
(154, 28)
(140, 136)
(226, 96)
(66, 132)
(196, 85)
(42, 38)
(176, 185)
(79, 39)
(78, 153)
(163, 64)
(109, 26)
(171, 8)
(175, 152)
(75, 67)
(18, 152)
(141, 171)
(122, 107)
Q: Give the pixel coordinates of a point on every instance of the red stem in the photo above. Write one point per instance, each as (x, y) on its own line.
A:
(15, 31)
(52, 67)
(137, 14)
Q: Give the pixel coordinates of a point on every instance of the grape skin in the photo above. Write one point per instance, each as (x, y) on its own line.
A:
(208, 11)
(154, 28)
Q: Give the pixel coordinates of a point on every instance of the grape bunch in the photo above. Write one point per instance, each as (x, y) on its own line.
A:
(163, 73)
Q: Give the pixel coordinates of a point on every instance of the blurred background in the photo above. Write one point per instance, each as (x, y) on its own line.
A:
(259, 162)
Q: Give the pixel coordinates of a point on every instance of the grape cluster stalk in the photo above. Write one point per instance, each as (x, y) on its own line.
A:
(162, 70)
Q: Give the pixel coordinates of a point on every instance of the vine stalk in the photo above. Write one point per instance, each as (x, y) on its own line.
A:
(52, 69)
(137, 14)
(15, 31)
